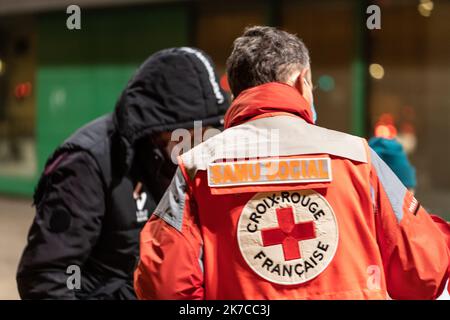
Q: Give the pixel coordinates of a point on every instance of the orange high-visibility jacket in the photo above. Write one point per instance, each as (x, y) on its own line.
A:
(275, 207)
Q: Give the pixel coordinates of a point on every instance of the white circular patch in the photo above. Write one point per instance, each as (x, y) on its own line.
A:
(288, 237)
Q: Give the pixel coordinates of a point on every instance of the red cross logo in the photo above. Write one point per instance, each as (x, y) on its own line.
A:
(288, 234)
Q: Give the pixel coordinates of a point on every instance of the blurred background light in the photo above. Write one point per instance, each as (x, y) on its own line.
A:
(425, 7)
(385, 126)
(385, 131)
(376, 71)
(224, 83)
(326, 83)
(23, 90)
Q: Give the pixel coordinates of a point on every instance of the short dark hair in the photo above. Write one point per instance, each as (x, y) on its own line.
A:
(262, 55)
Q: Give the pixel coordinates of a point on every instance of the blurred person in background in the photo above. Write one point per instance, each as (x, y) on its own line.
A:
(100, 186)
(392, 153)
(317, 216)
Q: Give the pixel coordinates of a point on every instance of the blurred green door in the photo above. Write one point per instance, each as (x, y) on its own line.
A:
(82, 72)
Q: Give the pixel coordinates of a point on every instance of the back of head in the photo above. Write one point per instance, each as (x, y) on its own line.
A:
(262, 55)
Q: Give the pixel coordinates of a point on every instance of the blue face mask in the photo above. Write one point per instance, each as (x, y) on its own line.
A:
(313, 109)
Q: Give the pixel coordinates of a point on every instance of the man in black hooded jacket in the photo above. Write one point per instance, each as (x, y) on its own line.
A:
(100, 186)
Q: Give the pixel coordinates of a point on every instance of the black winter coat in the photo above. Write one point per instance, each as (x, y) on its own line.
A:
(87, 219)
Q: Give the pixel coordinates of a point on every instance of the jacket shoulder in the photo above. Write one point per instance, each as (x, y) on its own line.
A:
(95, 139)
(275, 136)
(92, 133)
(341, 144)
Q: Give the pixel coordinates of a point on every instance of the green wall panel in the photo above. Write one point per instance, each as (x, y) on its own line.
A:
(81, 73)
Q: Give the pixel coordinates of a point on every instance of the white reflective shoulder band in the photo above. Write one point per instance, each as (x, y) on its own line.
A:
(272, 137)
(171, 206)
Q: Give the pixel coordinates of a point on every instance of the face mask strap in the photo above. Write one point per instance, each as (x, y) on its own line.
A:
(313, 108)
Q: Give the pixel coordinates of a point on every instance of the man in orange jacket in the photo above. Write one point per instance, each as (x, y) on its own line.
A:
(276, 207)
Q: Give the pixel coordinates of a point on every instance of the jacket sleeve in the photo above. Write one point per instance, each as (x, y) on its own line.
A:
(69, 210)
(444, 226)
(171, 245)
(414, 251)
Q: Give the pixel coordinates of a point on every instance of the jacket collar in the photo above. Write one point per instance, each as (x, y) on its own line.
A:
(267, 100)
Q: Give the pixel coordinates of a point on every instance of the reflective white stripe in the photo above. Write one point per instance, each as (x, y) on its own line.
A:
(393, 187)
(272, 137)
(372, 195)
(200, 260)
(171, 207)
(212, 78)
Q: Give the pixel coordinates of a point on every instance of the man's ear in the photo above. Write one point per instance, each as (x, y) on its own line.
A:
(299, 83)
